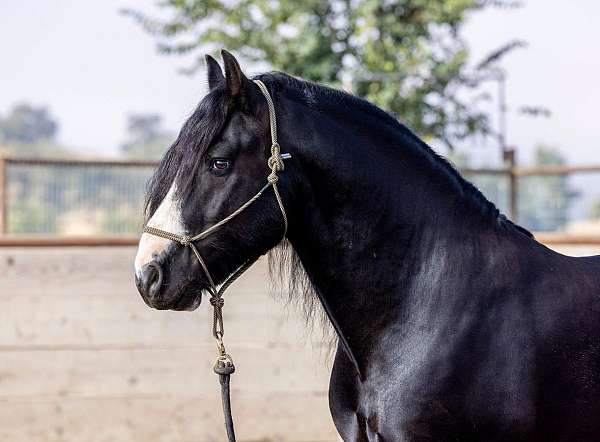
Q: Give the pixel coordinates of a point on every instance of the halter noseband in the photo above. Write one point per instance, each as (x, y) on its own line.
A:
(224, 366)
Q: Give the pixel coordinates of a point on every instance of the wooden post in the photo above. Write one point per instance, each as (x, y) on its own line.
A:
(513, 184)
(514, 197)
(3, 197)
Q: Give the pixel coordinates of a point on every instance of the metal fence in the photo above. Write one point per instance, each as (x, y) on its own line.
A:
(91, 201)
(545, 198)
(72, 197)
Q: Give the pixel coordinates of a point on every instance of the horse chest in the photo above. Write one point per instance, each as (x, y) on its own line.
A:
(374, 409)
(421, 399)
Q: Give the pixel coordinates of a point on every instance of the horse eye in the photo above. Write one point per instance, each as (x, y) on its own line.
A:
(220, 164)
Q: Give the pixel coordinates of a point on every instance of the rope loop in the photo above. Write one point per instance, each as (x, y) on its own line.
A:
(275, 148)
(275, 163)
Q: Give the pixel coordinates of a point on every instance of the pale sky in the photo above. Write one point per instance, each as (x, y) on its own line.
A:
(91, 67)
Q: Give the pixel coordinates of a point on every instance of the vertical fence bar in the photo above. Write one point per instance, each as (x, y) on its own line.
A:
(510, 158)
(3, 197)
(514, 196)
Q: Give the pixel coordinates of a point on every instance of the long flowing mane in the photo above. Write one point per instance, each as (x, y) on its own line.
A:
(331, 100)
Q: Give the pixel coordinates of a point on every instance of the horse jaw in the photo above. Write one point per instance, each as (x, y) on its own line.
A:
(167, 217)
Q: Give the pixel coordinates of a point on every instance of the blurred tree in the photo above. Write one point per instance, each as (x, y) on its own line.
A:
(544, 201)
(407, 56)
(30, 131)
(28, 124)
(146, 139)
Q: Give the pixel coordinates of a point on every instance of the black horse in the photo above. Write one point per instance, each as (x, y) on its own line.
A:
(454, 324)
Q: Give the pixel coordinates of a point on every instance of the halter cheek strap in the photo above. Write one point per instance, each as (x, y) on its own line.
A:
(224, 366)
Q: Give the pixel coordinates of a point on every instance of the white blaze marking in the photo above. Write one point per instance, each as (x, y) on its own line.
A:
(167, 217)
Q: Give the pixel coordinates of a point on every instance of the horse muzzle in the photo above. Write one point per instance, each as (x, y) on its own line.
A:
(150, 282)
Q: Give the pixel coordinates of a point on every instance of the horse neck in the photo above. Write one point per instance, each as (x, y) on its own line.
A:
(373, 215)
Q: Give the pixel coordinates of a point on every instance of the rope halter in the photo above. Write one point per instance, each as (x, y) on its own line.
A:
(276, 165)
(224, 366)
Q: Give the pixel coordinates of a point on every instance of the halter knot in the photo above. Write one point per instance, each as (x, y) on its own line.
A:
(185, 241)
(275, 163)
(217, 301)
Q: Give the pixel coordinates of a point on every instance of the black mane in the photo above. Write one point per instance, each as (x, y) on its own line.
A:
(328, 99)
(183, 158)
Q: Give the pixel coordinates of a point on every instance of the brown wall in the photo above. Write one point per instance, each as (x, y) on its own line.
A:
(83, 359)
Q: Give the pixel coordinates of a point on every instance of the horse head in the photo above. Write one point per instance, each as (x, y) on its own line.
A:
(224, 157)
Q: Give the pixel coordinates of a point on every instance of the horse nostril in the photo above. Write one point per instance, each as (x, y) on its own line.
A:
(151, 280)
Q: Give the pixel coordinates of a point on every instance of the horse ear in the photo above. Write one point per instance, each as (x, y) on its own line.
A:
(234, 77)
(215, 75)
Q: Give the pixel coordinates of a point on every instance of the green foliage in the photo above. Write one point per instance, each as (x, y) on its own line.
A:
(407, 56)
(146, 139)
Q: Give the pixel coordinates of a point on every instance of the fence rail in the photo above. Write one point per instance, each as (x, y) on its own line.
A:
(551, 239)
(513, 173)
(109, 193)
(24, 240)
(521, 171)
(91, 162)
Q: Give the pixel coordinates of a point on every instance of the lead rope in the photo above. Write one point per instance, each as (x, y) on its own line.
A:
(224, 365)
